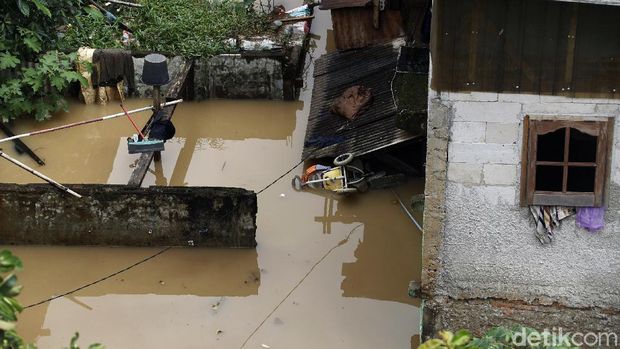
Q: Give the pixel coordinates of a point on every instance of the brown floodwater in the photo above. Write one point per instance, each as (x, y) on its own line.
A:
(328, 272)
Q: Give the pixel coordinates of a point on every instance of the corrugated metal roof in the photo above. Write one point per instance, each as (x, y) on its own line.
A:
(374, 128)
(334, 4)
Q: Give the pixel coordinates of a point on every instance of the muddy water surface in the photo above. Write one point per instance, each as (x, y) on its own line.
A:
(327, 273)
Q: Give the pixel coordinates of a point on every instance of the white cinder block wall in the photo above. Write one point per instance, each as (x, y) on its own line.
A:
(489, 248)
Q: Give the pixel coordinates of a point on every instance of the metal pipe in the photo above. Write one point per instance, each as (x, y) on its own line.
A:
(40, 175)
(107, 117)
(402, 205)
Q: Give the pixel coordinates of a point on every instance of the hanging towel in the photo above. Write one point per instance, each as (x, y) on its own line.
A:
(112, 65)
(590, 218)
(547, 219)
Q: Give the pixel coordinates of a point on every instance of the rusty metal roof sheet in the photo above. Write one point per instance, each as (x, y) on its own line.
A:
(329, 135)
(334, 4)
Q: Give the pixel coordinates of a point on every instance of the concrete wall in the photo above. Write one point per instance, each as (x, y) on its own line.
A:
(125, 216)
(480, 244)
(146, 91)
(226, 76)
(233, 76)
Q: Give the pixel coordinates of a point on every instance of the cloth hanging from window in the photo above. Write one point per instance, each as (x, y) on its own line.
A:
(590, 218)
(548, 218)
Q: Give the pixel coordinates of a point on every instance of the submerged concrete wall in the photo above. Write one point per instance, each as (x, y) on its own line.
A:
(483, 265)
(233, 76)
(119, 215)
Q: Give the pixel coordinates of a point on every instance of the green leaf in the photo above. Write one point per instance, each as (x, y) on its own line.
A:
(23, 7)
(460, 338)
(433, 344)
(446, 336)
(33, 43)
(7, 60)
(74, 339)
(9, 286)
(94, 13)
(9, 262)
(58, 82)
(41, 7)
(33, 79)
(6, 325)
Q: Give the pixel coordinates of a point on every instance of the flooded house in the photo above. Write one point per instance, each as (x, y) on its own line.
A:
(522, 210)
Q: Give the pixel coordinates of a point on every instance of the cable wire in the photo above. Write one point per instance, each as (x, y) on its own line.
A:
(99, 280)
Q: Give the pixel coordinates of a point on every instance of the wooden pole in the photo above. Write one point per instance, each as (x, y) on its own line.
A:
(125, 3)
(107, 117)
(40, 175)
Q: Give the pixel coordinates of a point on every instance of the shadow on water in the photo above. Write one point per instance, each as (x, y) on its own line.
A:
(383, 267)
(179, 271)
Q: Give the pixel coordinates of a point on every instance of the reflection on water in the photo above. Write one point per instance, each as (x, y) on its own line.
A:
(304, 286)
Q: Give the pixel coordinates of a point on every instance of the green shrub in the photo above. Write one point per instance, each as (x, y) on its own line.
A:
(497, 338)
(91, 29)
(188, 28)
(32, 74)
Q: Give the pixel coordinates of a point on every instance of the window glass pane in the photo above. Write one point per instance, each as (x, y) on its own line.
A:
(581, 179)
(551, 146)
(582, 147)
(549, 178)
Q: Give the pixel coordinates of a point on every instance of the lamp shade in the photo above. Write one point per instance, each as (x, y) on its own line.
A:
(155, 70)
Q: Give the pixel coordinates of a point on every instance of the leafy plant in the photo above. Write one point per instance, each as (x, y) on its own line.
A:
(90, 29)
(448, 340)
(188, 28)
(32, 74)
(496, 338)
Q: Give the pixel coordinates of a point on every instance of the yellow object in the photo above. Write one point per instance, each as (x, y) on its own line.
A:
(330, 181)
(101, 95)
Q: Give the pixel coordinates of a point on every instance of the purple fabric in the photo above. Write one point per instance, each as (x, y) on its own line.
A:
(591, 218)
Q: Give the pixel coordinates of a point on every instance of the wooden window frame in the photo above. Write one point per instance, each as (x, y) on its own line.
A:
(602, 128)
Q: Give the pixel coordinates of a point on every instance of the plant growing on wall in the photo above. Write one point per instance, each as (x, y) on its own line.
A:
(10, 307)
(187, 28)
(496, 338)
(90, 28)
(195, 28)
(32, 74)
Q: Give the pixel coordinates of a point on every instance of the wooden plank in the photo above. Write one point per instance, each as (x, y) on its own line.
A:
(610, 146)
(336, 4)
(474, 49)
(565, 174)
(569, 68)
(531, 171)
(353, 27)
(524, 161)
(175, 90)
(601, 160)
(564, 199)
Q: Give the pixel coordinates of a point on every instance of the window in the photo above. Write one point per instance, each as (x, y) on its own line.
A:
(565, 163)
